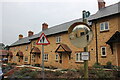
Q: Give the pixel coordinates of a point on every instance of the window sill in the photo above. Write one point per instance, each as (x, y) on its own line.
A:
(103, 56)
(104, 31)
(79, 61)
(56, 60)
(57, 42)
(45, 60)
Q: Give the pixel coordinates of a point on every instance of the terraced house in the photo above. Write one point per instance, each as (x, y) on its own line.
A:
(104, 47)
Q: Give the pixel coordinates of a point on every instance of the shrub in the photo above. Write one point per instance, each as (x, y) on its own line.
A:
(100, 73)
(109, 65)
(104, 74)
(37, 65)
(24, 73)
(97, 65)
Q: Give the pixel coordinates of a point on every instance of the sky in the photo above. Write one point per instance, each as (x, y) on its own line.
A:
(20, 16)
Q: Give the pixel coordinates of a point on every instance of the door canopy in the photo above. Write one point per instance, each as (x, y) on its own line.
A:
(114, 39)
(35, 50)
(19, 53)
(63, 48)
(10, 54)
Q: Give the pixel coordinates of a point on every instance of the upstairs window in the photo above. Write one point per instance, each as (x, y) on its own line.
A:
(104, 26)
(58, 39)
(26, 48)
(103, 51)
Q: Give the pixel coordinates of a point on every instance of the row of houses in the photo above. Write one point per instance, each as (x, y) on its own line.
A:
(104, 47)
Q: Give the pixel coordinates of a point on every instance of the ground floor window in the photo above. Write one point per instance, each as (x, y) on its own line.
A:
(56, 57)
(18, 59)
(45, 57)
(26, 59)
(10, 58)
(14, 58)
(33, 57)
(103, 51)
(78, 57)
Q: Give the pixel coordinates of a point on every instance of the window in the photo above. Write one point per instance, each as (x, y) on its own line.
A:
(26, 48)
(103, 51)
(58, 39)
(82, 33)
(56, 57)
(45, 57)
(18, 59)
(26, 59)
(34, 43)
(104, 26)
(15, 49)
(14, 58)
(78, 57)
(10, 58)
(33, 57)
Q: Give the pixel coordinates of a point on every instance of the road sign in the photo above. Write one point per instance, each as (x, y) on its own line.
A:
(85, 55)
(43, 40)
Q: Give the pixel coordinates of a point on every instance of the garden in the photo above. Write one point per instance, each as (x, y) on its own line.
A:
(96, 71)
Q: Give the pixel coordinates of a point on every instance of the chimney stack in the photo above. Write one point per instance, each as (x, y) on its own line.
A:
(30, 33)
(101, 4)
(44, 26)
(20, 36)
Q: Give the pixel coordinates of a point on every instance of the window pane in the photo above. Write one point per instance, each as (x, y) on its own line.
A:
(106, 25)
(77, 57)
(103, 51)
(101, 26)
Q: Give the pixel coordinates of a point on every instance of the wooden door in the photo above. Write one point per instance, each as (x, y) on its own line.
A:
(65, 59)
(118, 52)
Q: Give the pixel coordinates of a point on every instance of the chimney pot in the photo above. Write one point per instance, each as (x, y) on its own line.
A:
(101, 4)
(30, 33)
(20, 36)
(44, 26)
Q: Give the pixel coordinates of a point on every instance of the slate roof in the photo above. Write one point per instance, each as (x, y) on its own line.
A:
(50, 31)
(107, 11)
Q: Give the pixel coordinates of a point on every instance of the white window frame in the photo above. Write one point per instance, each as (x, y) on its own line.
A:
(26, 48)
(102, 51)
(78, 57)
(45, 57)
(18, 58)
(58, 39)
(33, 57)
(25, 59)
(56, 57)
(34, 43)
(104, 26)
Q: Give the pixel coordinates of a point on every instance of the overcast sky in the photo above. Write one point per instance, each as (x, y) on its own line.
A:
(20, 16)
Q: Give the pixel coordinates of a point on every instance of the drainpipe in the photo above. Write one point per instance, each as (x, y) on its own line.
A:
(30, 52)
(96, 42)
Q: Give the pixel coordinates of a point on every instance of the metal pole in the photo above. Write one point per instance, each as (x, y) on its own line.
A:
(86, 65)
(85, 49)
(43, 74)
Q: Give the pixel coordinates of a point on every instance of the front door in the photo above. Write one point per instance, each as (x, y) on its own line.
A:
(65, 59)
(118, 52)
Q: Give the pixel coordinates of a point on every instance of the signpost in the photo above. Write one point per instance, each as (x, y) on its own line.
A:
(85, 55)
(43, 41)
(80, 35)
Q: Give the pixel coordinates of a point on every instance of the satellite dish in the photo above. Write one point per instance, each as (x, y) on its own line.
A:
(80, 34)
